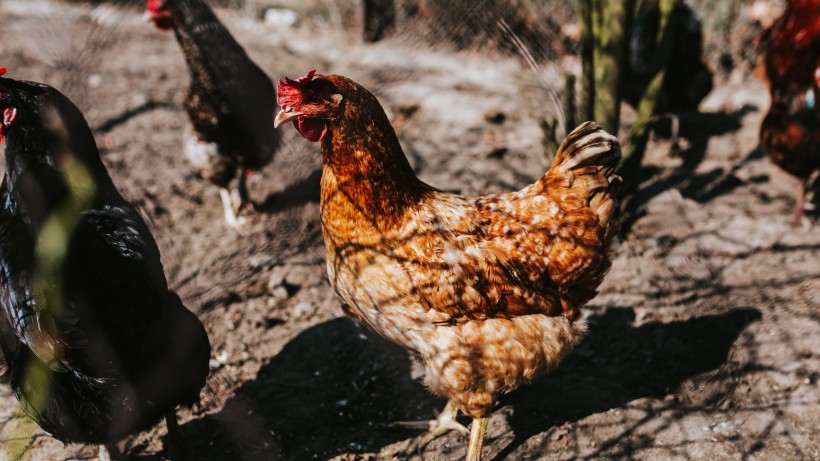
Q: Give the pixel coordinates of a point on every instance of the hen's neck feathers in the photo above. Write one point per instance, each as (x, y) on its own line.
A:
(791, 59)
(362, 154)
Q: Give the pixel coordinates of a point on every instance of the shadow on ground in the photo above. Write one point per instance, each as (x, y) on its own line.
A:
(334, 387)
(331, 389)
(618, 363)
(698, 128)
(305, 190)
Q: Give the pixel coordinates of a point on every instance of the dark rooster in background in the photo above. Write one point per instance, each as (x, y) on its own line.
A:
(230, 100)
(487, 290)
(790, 132)
(112, 350)
(687, 80)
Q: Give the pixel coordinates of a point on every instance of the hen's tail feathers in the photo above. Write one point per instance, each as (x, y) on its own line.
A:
(589, 158)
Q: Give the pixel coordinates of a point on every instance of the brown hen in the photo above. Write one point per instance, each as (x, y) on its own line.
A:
(486, 290)
(790, 132)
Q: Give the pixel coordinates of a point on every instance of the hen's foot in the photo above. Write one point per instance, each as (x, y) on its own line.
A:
(103, 454)
(109, 453)
(445, 422)
(799, 217)
(243, 197)
(231, 219)
(177, 447)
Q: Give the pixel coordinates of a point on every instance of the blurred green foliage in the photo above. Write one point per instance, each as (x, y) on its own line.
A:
(50, 255)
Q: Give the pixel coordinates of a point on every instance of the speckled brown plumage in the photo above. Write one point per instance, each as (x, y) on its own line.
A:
(486, 290)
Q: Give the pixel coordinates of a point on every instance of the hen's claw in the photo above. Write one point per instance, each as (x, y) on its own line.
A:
(445, 422)
(109, 453)
(103, 454)
(799, 217)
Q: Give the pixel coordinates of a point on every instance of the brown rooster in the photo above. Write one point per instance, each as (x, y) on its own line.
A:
(230, 99)
(486, 290)
(790, 132)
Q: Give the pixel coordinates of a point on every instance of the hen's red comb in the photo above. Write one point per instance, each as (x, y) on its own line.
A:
(289, 90)
(154, 6)
(2, 71)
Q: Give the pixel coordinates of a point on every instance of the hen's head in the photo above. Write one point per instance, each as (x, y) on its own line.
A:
(36, 120)
(311, 101)
(159, 12)
(9, 111)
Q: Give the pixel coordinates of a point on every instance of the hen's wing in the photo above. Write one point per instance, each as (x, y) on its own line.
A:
(538, 250)
(111, 292)
(115, 279)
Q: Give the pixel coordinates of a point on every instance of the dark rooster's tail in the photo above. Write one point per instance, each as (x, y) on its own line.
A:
(588, 159)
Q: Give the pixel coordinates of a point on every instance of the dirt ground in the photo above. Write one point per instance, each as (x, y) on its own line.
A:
(704, 342)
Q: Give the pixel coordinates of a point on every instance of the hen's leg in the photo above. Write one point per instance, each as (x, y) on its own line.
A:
(108, 453)
(242, 188)
(479, 427)
(177, 448)
(445, 422)
(230, 215)
(799, 214)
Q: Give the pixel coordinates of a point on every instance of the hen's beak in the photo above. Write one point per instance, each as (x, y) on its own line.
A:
(284, 116)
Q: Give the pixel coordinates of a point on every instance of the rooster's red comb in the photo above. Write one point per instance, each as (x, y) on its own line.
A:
(2, 71)
(289, 90)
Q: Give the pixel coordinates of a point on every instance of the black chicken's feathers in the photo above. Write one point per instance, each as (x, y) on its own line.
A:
(121, 350)
(230, 101)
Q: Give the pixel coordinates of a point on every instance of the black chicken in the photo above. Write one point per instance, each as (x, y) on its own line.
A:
(688, 80)
(111, 350)
(230, 102)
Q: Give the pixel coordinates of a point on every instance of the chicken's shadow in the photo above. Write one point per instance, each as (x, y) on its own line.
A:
(618, 363)
(335, 387)
(698, 128)
(301, 192)
(332, 389)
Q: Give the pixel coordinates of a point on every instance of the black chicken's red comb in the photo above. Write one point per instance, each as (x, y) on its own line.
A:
(2, 71)
(289, 90)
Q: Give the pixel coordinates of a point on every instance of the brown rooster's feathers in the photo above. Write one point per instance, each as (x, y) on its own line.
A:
(790, 132)
(792, 49)
(485, 289)
(791, 136)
